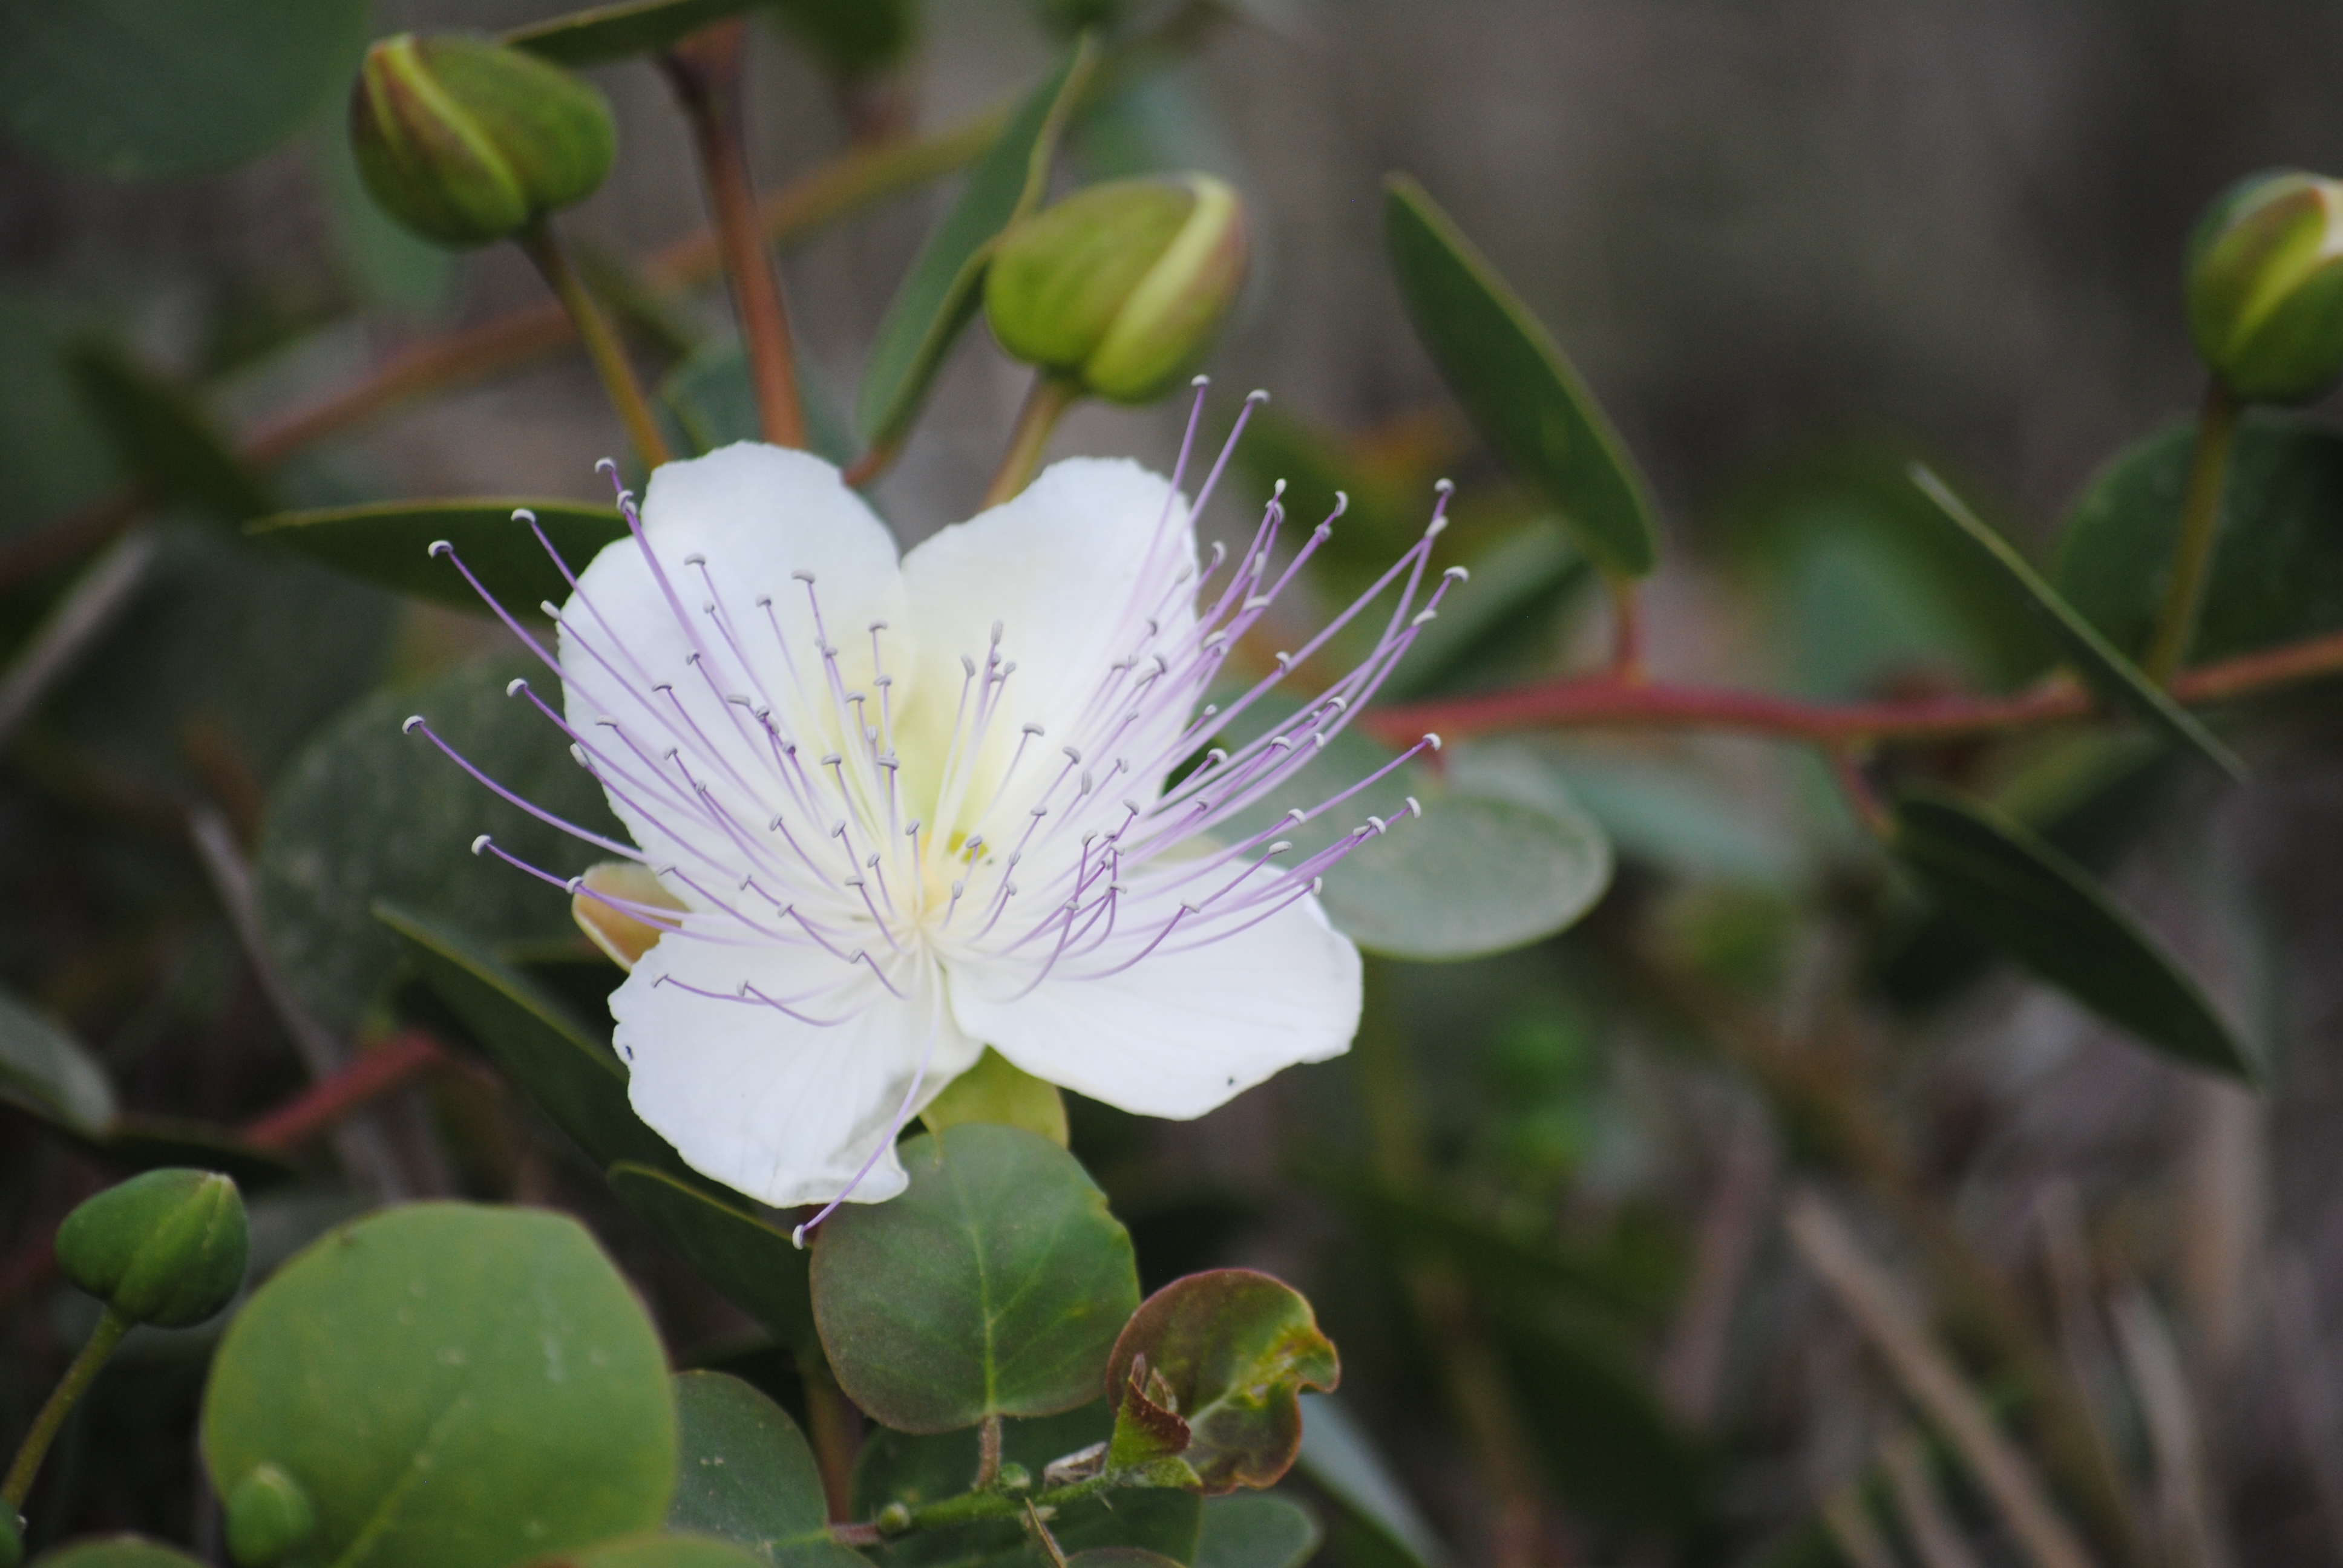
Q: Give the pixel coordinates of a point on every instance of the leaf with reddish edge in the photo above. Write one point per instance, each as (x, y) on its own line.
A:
(1226, 1353)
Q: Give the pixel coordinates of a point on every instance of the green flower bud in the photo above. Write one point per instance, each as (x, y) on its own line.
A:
(465, 141)
(269, 1518)
(2266, 286)
(1122, 285)
(167, 1248)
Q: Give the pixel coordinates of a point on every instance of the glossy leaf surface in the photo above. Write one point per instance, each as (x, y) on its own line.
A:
(140, 90)
(994, 1285)
(1231, 1349)
(753, 1263)
(2026, 899)
(1256, 1532)
(2096, 660)
(940, 294)
(515, 1397)
(388, 544)
(1521, 392)
(745, 1476)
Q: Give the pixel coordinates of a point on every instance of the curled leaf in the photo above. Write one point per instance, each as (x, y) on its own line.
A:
(1224, 1355)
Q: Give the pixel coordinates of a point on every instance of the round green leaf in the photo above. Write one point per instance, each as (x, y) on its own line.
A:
(139, 89)
(1226, 1354)
(2017, 894)
(370, 813)
(992, 1286)
(745, 1476)
(44, 1070)
(2278, 563)
(453, 1387)
(1258, 1531)
(1521, 393)
(116, 1551)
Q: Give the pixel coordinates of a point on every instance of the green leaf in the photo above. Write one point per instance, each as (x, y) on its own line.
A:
(658, 1551)
(992, 1286)
(116, 1551)
(390, 543)
(996, 1090)
(569, 1073)
(745, 1476)
(1233, 1348)
(453, 1386)
(601, 33)
(2025, 899)
(1260, 1532)
(142, 89)
(755, 1266)
(370, 813)
(1119, 1557)
(2277, 568)
(898, 1467)
(1608, 1444)
(44, 1070)
(388, 264)
(1522, 394)
(1379, 1523)
(940, 296)
(713, 403)
(162, 429)
(853, 37)
(1522, 578)
(2107, 671)
(55, 454)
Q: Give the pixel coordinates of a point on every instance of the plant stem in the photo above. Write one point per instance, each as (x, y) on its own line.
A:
(1045, 405)
(602, 346)
(1477, 1384)
(988, 1451)
(706, 70)
(2200, 529)
(45, 1426)
(832, 1422)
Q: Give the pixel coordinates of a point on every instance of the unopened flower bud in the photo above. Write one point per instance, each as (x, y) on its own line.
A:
(615, 904)
(1122, 285)
(465, 141)
(167, 1248)
(269, 1518)
(2266, 286)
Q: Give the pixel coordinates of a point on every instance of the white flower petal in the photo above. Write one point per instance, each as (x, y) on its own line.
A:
(757, 515)
(783, 1109)
(1072, 569)
(1178, 1034)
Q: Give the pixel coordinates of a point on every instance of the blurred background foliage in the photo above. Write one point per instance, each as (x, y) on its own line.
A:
(1541, 1208)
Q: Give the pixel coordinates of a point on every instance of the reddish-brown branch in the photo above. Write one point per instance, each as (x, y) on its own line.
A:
(1605, 702)
(318, 1109)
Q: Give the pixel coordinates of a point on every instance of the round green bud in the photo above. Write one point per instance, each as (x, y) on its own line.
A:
(465, 141)
(2266, 286)
(167, 1248)
(269, 1518)
(1120, 286)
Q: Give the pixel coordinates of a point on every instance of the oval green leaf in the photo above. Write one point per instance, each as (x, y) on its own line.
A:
(744, 1474)
(2025, 899)
(1522, 394)
(1263, 1531)
(756, 1267)
(388, 544)
(992, 1286)
(116, 1551)
(939, 294)
(2278, 563)
(898, 1467)
(453, 1386)
(601, 33)
(1225, 1354)
(566, 1069)
(141, 89)
(368, 812)
(2115, 678)
(44, 1070)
